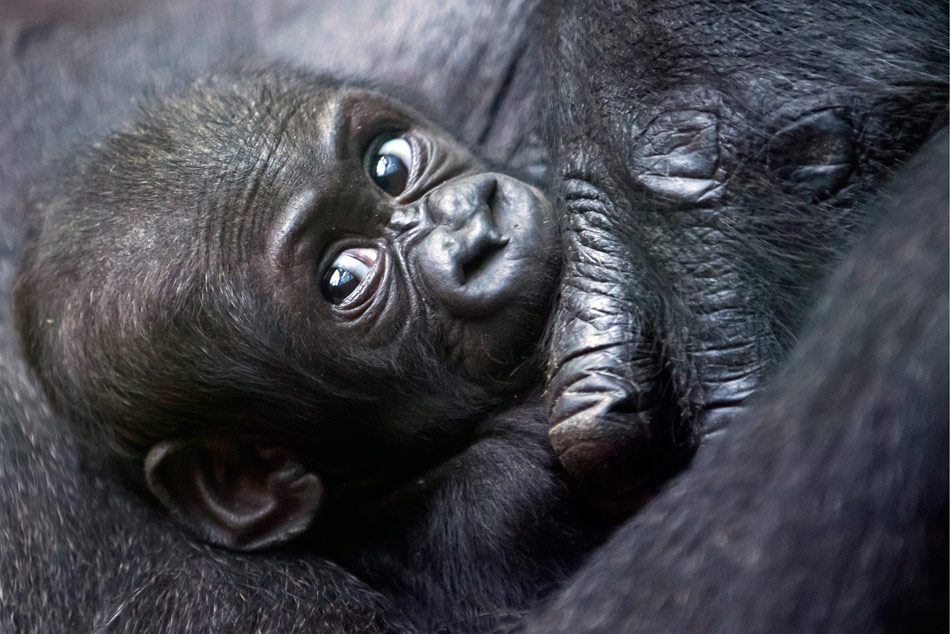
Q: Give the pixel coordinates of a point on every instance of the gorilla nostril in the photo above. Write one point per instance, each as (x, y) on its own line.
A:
(488, 197)
(476, 258)
(486, 189)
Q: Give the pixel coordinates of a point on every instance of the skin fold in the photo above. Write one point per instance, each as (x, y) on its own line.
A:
(712, 163)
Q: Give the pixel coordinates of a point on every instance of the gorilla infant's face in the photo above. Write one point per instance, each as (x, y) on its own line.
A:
(389, 234)
(272, 259)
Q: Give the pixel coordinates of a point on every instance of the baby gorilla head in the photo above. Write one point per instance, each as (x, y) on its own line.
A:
(272, 276)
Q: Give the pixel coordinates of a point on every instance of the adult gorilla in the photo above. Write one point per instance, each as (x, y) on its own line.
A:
(729, 495)
(715, 161)
(824, 507)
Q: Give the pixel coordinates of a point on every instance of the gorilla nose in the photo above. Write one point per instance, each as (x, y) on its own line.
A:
(463, 257)
(463, 215)
(455, 203)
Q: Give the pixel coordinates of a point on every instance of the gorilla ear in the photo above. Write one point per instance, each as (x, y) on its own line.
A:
(234, 493)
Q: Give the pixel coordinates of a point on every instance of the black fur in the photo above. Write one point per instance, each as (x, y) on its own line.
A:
(824, 509)
(715, 161)
(661, 572)
(80, 554)
(156, 305)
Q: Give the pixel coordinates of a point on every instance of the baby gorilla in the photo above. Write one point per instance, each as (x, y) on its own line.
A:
(284, 306)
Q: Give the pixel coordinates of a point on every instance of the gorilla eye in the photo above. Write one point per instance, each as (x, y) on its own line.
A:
(390, 164)
(346, 273)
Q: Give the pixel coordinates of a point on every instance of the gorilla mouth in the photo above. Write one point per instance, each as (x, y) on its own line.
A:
(492, 252)
(482, 261)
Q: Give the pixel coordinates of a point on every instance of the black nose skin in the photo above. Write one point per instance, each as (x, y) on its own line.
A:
(462, 213)
(490, 246)
(455, 202)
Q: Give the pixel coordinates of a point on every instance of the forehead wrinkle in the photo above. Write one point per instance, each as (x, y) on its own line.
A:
(286, 214)
(244, 218)
(251, 210)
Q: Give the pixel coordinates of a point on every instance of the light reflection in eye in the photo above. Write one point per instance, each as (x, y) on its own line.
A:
(346, 272)
(390, 165)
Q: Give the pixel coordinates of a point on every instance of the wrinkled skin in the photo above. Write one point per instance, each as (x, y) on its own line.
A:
(713, 160)
(184, 302)
(824, 507)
